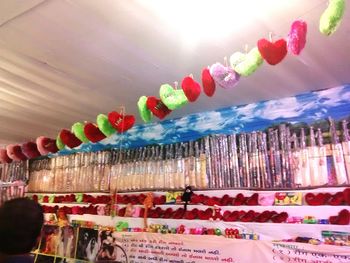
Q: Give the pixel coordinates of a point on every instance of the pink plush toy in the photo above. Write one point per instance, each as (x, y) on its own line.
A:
(101, 210)
(14, 151)
(4, 158)
(266, 199)
(297, 37)
(46, 145)
(225, 77)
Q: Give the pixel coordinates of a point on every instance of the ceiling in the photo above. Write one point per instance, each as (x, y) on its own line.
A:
(63, 61)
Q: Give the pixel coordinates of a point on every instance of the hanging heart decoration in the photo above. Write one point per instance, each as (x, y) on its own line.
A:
(273, 52)
(30, 150)
(172, 98)
(145, 113)
(225, 77)
(46, 145)
(78, 131)
(103, 124)
(297, 37)
(208, 82)
(246, 64)
(69, 139)
(14, 151)
(93, 133)
(157, 107)
(121, 122)
(191, 88)
(4, 158)
(59, 143)
(331, 17)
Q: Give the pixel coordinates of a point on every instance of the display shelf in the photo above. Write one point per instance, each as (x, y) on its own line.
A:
(267, 231)
(320, 212)
(325, 188)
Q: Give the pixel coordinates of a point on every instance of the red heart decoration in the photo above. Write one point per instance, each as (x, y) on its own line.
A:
(191, 88)
(263, 217)
(253, 200)
(30, 150)
(119, 122)
(4, 158)
(14, 151)
(346, 194)
(312, 199)
(248, 217)
(272, 52)
(336, 199)
(208, 83)
(157, 107)
(343, 218)
(279, 218)
(46, 145)
(69, 139)
(93, 133)
(234, 216)
(239, 200)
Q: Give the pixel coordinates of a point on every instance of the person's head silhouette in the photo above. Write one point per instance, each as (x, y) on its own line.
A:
(21, 221)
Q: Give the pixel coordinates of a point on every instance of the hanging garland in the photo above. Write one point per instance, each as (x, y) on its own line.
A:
(225, 76)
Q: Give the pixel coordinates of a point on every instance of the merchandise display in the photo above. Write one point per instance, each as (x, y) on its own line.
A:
(261, 169)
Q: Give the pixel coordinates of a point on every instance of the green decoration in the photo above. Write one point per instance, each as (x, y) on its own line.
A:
(121, 226)
(103, 124)
(51, 198)
(60, 145)
(145, 113)
(79, 197)
(246, 64)
(172, 98)
(78, 131)
(331, 17)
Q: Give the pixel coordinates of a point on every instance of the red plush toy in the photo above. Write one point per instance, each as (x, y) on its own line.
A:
(208, 82)
(336, 199)
(14, 151)
(346, 195)
(93, 133)
(318, 199)
(191, 88)
(273, 52)
(69, 139)
(343, 218)
(46, 145)
(121, 122)
(157, 107)
(253, 200)
(239, 200)
(30, 150)
(4, 158)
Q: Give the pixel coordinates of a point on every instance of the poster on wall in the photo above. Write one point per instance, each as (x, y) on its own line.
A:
(87, 247)
(152, 248)
(111, 249)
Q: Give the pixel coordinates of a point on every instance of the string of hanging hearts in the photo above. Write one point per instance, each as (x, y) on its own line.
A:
(240, 64)
(171, 98)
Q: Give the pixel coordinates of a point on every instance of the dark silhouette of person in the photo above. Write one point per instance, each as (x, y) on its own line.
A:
(21, 221)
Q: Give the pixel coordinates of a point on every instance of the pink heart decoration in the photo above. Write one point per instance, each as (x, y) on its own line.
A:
(14, 151)
(297, 37)
(225, 77)
(4, 158)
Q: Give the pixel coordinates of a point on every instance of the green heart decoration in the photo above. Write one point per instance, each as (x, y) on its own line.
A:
(103, 124)
(78, 131)
(145, 113)
(60, 145)
(172, 98)
(51, 198)
(331, 17)
(79, 197)
(246, 64)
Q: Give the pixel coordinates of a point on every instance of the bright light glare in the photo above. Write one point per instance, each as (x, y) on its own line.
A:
(208, 20)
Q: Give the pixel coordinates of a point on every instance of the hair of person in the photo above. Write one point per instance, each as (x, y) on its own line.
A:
(21, 221)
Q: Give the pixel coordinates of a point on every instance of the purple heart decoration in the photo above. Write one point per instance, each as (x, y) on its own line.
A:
(225, 77)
